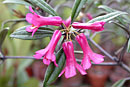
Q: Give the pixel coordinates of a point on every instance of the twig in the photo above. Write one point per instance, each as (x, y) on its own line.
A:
(122, 27)
(123, 51)
(12, 20)
(102, 64)
(111, 57)
(78, 60)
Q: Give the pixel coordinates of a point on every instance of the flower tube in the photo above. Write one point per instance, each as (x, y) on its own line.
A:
(96, 26)
(48, 53)
(71, 64)
(38, 21)
(88, 53)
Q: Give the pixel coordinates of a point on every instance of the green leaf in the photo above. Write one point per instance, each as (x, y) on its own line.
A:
(128, 46)
(21, 33)
(76, 8)
(3, 34)
(53, 71)
(107, 17)
(120, 83)
(17, 2)
(108, 9)
(45, 6)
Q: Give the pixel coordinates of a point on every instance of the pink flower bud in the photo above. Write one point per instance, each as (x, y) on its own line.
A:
(96, 26)
(89, 16)
(67, 22)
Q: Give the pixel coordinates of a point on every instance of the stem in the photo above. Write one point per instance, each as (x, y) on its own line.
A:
(111, 57)
(78, 60)
(12, 20)
(102, 64)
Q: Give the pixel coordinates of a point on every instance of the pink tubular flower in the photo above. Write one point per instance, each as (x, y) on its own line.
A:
(88, 53)
(48, 52)
(89, 16)
(96, 26)
(67, 22)
(71, 64)
(37, 21)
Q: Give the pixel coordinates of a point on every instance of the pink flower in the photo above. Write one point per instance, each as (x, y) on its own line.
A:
(71, 64)
(67, 22)
(37, 21)
(88, 53)
(89, 16)
(48, 52)
(96, 26)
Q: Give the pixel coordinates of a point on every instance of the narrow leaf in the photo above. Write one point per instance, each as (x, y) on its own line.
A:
(17, 2)
(45, 6)
(108, 9)
(57, 70)
(120, 83)
(48, 6)
(128, 46)
(76, 8)
(107, 17)
(21, 33)
(52, 68)
(3, 34)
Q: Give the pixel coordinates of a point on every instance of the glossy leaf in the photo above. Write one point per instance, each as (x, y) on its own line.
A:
(53, 71)
(3, 34)
(45, 6)
(57, 70)
(107, 17)
(120, 83)
(76, 8)
(21, 33)
(17, 2)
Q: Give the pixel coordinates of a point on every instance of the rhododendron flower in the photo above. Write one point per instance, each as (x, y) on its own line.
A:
(88, 53)
(71, 64)
(89, 16)
(96, 26)
(37, 21)
(48, 52)
(67, 22)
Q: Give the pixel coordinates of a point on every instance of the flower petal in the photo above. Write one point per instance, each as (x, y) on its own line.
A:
(34, 30)
(29, 17)
(46, 61)
(61, 72)
(28, 28)
(80, 69)
(97, 58)
(86, 63)
(70, 71)
(37, 56)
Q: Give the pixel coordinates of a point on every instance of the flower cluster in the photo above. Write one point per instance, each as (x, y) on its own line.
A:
(48, 53)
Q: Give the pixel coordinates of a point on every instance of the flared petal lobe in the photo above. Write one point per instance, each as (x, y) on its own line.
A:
(88, 53)
(48, 53)
(96, 26)
(71, 64)
(38, 21)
